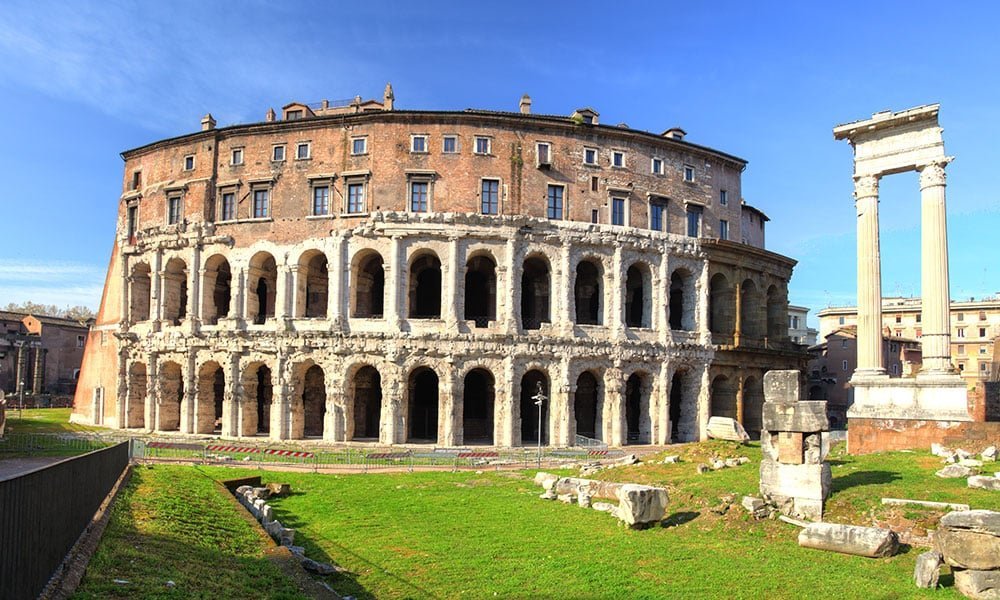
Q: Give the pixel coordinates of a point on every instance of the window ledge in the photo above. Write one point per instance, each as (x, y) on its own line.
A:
(320, 217)
(256, 220)
(347, 215)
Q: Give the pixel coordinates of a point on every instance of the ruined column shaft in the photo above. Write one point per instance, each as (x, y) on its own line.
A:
(869, 278)
(935, 290)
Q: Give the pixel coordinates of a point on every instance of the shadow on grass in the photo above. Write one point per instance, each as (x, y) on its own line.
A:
(859, 478)
(679, 518)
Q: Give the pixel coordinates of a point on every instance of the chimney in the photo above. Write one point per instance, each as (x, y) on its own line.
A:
(525, 104)
(270, 116)
(207, 122)
(325, 105)
(675, 133)
(388, 97)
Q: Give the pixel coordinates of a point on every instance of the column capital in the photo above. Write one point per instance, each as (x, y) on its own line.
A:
(933, 174)
(865, 186)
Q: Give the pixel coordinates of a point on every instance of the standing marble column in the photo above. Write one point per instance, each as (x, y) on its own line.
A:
(934, 287)
(869, 278)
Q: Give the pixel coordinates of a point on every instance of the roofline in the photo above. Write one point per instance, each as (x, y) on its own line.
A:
(755, 209)
(321, 120)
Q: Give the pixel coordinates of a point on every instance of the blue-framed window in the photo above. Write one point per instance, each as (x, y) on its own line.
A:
(261, 203)
(355, 198)
(321, 200)
(657, 214)
(617, 211)
(491, 197)
(418, 196)
(555, 202)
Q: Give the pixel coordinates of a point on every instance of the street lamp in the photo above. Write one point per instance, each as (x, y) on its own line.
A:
(539, 398)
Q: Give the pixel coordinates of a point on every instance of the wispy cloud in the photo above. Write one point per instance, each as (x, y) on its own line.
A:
(59, 283)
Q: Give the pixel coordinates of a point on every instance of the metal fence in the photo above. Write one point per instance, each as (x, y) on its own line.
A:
(55, 444)
(42, 513)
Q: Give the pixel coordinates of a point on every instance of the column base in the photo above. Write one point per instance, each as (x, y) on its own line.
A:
(868, 375)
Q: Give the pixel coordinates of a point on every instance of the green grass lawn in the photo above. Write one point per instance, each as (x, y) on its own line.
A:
(44, 420)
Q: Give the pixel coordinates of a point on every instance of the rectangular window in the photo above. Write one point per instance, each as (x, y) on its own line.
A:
(482, 145)
(920, 333)
(133, 222)
(961, 349)
(843, 365)
(237, 156)
(293, 115)
(359, 145)
(688, 173)
(189, 162)
(449, 144)
(554, 203)
(618, 211)
(618, 159)
(302, 151)
(418, 196)
(543, 151)
(228, 212)
(593, 184)
(840, 321)
(594, 215)
(278, 153)
(418, 144)
(694, 221)
(321, 200)
(137, 181)
(723, 197)
(919, 316)
(590, 156)
(982, 315)
(657, 211)
(723, 229)
(982, 349)
(961, 316)
(982, 332)
(843, 343)
(982, 366)
(656, 166)
(961, 332)
(899, 318)
(79, 341)
(261, 200)
(173, 210)
(355, 198)
(490, 197)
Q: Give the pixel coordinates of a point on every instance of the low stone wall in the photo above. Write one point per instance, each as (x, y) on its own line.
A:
(865, 436)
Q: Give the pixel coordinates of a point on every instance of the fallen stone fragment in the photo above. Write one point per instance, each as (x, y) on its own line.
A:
(541, 477)
(261, 492)
(989, 454)
(640, 505)
(702, 468)
(970, 539)
(733, 462)
(566, 498)
(970, 462)
(629, 459)
(583, 499)
(603, 506)
(984, 483)
(978, 584)
(743, 460)
(548, 495)
(297, 550)
(243, 489)
(667, 460)
(927, 503)
(757, 507)
(962, 454)
(279, 489)
(940, 450)
(726, 428)
(955, 471)
(872, 542)
(925, 574)
(317, 567)
(718, 464)
(287, 537)
(266, 513)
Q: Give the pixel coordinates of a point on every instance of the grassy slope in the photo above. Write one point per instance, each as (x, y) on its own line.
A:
(171, 523)
(44, 420)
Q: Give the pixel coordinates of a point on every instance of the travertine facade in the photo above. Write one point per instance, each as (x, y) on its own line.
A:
(373, 274)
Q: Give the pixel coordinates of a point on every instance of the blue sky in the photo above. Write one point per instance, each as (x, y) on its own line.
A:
(80, 82)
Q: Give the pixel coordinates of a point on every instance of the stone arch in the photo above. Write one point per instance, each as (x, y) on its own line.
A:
(536, 285)
(312, 285)
(422, 401)
(638, 416)
(140, 284)
(750, 311)
(677, 412)
(777, 315)
(211, 397)
(313, 401)
(171, 396)
(587, 296)
(425, 286)
(478, 398)
(530, 382)
(258, 393)
(175, 291)
(481, 290)
(753, 406)
(217, 290)
(365, 394)
(262, 285)
(368, 283)
(136, 408)
(682, 301)
(723, 397)
(588, 406)
(721, 306)
(638, 295)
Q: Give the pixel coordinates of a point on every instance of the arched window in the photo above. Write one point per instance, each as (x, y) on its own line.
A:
(723, 402)
(534, 293)
(367, 403)
(425, 287)
(422, 405)
(533, 382)
(368, 281)
(682, 301)
(480, 290)
(477, 407)
(637, 414)
(721, 306)
(211, 392)
(313, 401)
(175, 291)
(217, 287)
(171, 396)
(313, 285)
(136, 408)
(587, 293)
(263, 283)
(777, 311)
(139, 293)
(587, 407)
(750, 313)
(637, 296)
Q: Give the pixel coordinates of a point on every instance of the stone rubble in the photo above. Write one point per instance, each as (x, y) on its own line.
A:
(969, 541)
(955, 471)
(672, 459)
(757, 507)
(726, 428)
(871, 542)
(983, 482)
(989, 454)
(639, 506)
(927, 569)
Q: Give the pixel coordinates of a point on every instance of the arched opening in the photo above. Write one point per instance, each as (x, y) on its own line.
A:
(534, 293)
(139, 293)
(750, 323)
(723, 403)
(587, 293)
(533, 382)
(263, 397)
(367, 403)
(368, 281)
(777, 315)
(721, 306)
(423, 405)
(637, 296)
(171, 395)
(480, 290)
(312, 285)
(677, 412)
(136, 409)
(425, 287)
(637, 416)
(175, 291)
(586, 406)
(313, 401)
(681, 302)
(263, 283)
(477, 407)
(211, 390)
(217, 290)
(753, 406)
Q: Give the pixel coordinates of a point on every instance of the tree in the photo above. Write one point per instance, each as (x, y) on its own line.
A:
(77, 313)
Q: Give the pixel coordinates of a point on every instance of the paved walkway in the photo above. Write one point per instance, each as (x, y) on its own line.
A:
(12, 467)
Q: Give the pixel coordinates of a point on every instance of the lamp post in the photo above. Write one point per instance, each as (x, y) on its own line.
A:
(539, 398)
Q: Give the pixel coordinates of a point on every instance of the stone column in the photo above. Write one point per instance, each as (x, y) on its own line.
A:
(335, 419)
(701, 317)
(156, 276)
(231, 410)
(393, 273)
(392, 428)
(935, 290)
(740, 385)
(563, 311)
(561, 414)
(189, 401)
(738, 317)
(663, 407)
(616, 322)
(152, 407)
(704, 400)
(449, 417)
(504, 407)
(336, 274)
(194, 299)
(506, 281)
(281, 426)
(869, 278)
(38, 381)
(285, 296)
(449, 299)
(614, 413)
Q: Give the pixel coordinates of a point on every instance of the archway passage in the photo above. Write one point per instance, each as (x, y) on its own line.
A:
(750, 322)
(678, 283)
(753, 406)
(218, 290)
(425, 287)
(481, 291)
(313, 401)
(136, 416)
(171, 394)
(210, 390)
(636, 410)
(423, 405)
(587, 292)
(218, 398)
(263, 396)
(636, 300)
(139, 293)
(676, 408)
(314, 287)
(263, 280)
(369, 286)
(723, 403)
(585, 406)
(175, 291)
(477, 407)
(367, 403)
(529, 411)
(721, 306)
(534, 293)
